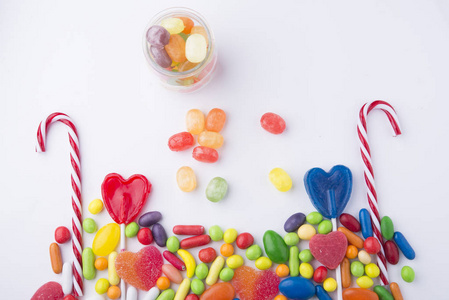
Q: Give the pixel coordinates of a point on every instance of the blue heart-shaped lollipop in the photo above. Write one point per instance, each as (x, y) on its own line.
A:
(329, 192)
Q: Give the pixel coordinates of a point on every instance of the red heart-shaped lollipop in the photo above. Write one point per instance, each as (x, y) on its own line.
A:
(124, 198)
(329, 249)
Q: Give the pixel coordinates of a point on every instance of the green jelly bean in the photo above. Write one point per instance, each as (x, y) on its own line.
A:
(275, 247)
(201, 271)
(383, 293)
(226, 274)
(407, 274)
(89, 225)
(314, 218)
(183, 35)
(88, 263)
(197, 286)
(215, 233)
(131, 229)
(387, 228)
(293, 262)
(253, 252)
(168, 294)
(325, 227)
(216, 189)
(291, 238)
(306, 256)
(357, 269)
(173, 244)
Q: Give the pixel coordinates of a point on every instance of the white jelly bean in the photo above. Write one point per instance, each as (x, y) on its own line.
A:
(152, 294)
(131, 294)
(67, 278)
(196, 48)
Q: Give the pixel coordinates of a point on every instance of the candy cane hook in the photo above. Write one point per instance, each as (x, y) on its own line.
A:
(369, 174)
(77, 240)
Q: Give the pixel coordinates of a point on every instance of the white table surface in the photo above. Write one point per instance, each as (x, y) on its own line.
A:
(313, 62)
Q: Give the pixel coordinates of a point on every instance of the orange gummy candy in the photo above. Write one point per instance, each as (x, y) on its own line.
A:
(219, 291)
(255, 285)
(359, 294)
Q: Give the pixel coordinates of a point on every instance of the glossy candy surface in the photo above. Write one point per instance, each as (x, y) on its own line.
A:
(195, 241)
(383, 293)
(329, 249)
(244, 240)
(101, 263)
(345, 268)
(181, 141)
(255, 285)
(215, 120)
(214, 271)
(150, 218)
(321, 293)
(283, 270)
(172, 273)
(294, 222)
(174, 260)
(396, 291)
(201, 271)
(188, 229)
(306, 232)
(350, 222)
(291, 238)
(173, 244)
(55, 258)
(210, 139)
(359, 294)
(372, 270)
(216, 189)
(207, 255)
(314, 218)
(205, 154)
(197, 286)
(176, 48)
(186, 179)
(173, 25)
(131, 230)
(357, 268)
(408, 274)
(159, 234)
(371, 245)
(297, 288)
(293, 261)
(189, 260)
(280, 179)
(95, 206)
(188, 24)
(404, 245)
(158, 36)
(196, 48)
(275, 247)
(112, 273)
(306, 270)
(353, 239)
(234, 261)
(365, 223)
(253, 252)
(391, 252)
(263, 263)
(325, 227)
(160, 56)
(145, 236)
(216, 233)
(106, 239)
(88, 263)
(364, 282)
(62, 235)
(387, 228)
(89, 225)
(320, 274)
(195, 121)
(272, 123)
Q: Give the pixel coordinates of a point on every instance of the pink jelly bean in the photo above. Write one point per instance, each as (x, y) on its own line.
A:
(181, 141)
(272, 123)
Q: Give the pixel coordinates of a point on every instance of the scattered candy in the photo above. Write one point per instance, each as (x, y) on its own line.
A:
(189, 260)
(371, 245)
(234, 261)
(408, 274)
(320, 274)
(101, 286)
(172, 273)
(106, 239)
(263, 263)
(55, 258)
(174, 260)
(176, 49)
(280, 179)
(131, 230)
(89, 225)
(330, 284)
(403, 245)
(396, 291)
(325, 227)
(50, 290)
(215, 120)
(352, 252)
(306, 232)
(294, 222)
(391, 252)
(181, 141)
(314, 218)
(173, 244)
(297, 288)
(353, 239)
(201, 271)
(145, 236)
(173, 25)
(226, 274)
(215, 270)
(253, 252)
(210, 139)
(186, 179)
(197, 286)
(205, 154)
(219, 291)
(359, 294)
(306, 256)
(275, 247)
(215, 233)
(114, 292)
(364, 282)
(131, 293)
(306, 270)
(216, 189)
(357, 269)
(364, 257)
(195, 241)
(159, 234)
(272, 123)
(183, 290)
(101, 263)
(195, 121)
(387, 228)
(372, 270)
(207, 255)
(150, 218)
(230, 235)
(350, 222)
(95, 206)
(152, 294)
(291, 239)
(158, 36)
(321, 293)
(283, 270)
(345, 268)
(62, 235)
(113, 277)
(329, 249)
(383, 293)
(168, 294)
(226, 250)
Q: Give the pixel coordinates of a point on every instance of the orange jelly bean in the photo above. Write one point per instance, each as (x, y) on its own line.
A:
(56, 258)
(114, 292)
(176, 48)
(163, 283)
(353, 239)
(211, 139)
(215, 120)
(359, 294)
(219, 291)
(351, 252)
(226, 250)
(188, 24)
(101, 263)
(396, 291)
(282, 270)
(346, 273)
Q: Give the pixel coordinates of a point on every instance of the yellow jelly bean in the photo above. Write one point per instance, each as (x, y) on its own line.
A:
(186, 179)
(215, 270)
(173, 25)
(263, 263)
(364, 282)
(364, 257)
(234, 261)
(195, 121)
(372, 270)
(102, 286)
(280, 179)
(330, 285)
(95, 206)
(306, 232)
(196, 48)
(183, 290)
(306, 270)
(106, 239)
(112, 273)
(210, 139)
(230, 235)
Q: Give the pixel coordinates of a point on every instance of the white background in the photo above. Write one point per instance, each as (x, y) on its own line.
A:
(313, 62)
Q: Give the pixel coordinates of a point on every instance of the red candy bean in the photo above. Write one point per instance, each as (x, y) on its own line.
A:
(195, 241)
(371, 245)
(188, 229)
(320, 274)
(391, 252)
(174, 260)
(244, 240)
(69, 297)
(62, 235)
(181, 141)
(350, 222)
(272, 123)
(207, 255)
(192, 297)
(205, 154)
(145, 236)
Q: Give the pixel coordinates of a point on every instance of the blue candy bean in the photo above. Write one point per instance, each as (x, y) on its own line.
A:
(403, 245)
(321, 293)
(365, 222)
(297, 288)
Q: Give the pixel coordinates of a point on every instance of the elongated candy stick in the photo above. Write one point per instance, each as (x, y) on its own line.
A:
(369, 174)
(77, 240)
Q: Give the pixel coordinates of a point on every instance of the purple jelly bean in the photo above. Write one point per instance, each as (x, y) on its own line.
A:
(150, 218)
(158, 36)
(160, 57)
(294, 222)
(159, 235)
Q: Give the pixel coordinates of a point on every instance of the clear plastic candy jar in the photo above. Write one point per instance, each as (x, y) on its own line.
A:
(179, 47)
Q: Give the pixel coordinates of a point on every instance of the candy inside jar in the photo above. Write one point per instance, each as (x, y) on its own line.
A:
(180, 48)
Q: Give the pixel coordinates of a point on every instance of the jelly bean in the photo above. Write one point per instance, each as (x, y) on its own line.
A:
(391, 252)
(325, 227)
(131, 230)
(205, 154)
(353, 239)
(306, 270)
(173, 25)
(226, 274)
(280, 179)
(396, 291)
(263, 263)
(207, 255)
(372, 270)
(272, 123)
(234, 261)
(350, 222)
(306, 256)
(297, 288)
(364, 257)
(101, 263)
(364, 282)
(197, 286)
(244, 240)
(183, 290)
(321, 293)
(101, 286)
(215, 120)
(352, 252)
(230, 235)
(345, 268)
(188, 229)
(159, 234)
(55, 258)
(383, 293)
(62, 235)
(200, 30)
(253, 252)
(283, 270)
(201, 271)
(403, 245)
(306, 232)
(95, 206)
(187, 65)
(163, 283)
(408, 274)
(186, 179)
(172, 273)
(275, 247)
(158, 36)
(114, 292)
(196, 48)
(112, 273)
(181, 141)
(215, 233)
(168, 294)
(226, 250)
(195, 121)
(320, 274)
(387, 228)
(160, 56)
(365, 223)
(152, 294)
(67, 274)
(294, 222)
(174, 260)
(192, 297)
(172, 244)
(89, 225)
(359, 294)
(330, 284)
(216, 189)
(106, 239)
(145, 236)
(214, 270)
(371, 245)
(293, 261)
(210, 139)
(357, 269)
(314, 218)
(176, 49)
(88, 259)
(195, 241)
(219, 291)
(150, 218)
(291, 239)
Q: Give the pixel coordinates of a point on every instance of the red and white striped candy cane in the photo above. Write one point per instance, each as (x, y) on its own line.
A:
(77, 240)
(369, 174)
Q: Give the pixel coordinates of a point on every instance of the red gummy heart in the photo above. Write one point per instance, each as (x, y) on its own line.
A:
(329, 249)
(255, 285)
(49, 291)
(124, 198)
(141, 269)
